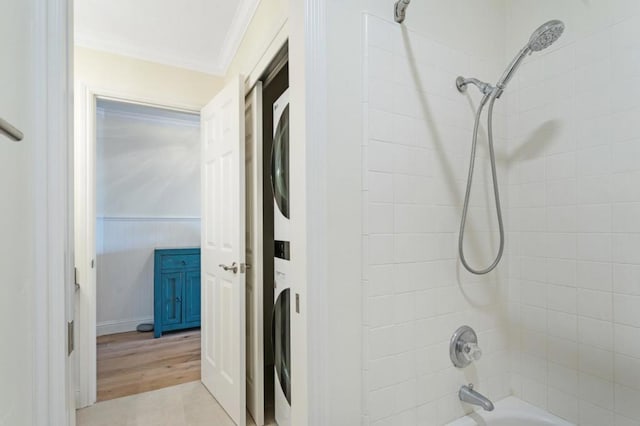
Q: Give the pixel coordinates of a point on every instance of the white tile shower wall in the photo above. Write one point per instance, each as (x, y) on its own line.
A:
(574, 185)
(416, 146)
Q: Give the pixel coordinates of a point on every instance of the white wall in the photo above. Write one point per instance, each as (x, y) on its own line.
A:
(343, 207)
(574, 175)
(416, 143)
(148, 196)
(142, 80)
(17, 218)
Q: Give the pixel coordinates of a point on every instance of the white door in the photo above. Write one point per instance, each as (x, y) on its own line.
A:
(223, 250)
(255, 335)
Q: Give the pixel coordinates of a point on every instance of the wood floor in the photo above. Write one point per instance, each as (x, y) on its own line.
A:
(132, 363)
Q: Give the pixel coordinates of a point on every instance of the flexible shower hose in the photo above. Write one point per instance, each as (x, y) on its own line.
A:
(492, 98)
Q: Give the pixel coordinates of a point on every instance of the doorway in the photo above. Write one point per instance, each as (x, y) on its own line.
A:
(147, 213)
(93, 100)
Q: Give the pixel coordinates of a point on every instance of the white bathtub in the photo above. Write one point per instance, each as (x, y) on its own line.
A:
(511, 412)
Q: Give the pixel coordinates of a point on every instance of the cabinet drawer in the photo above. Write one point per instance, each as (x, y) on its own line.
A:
(180, 261)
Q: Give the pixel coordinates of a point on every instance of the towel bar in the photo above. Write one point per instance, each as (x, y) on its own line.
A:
(10, 131)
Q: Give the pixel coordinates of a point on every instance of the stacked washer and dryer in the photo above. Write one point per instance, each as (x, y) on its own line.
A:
(280, 322)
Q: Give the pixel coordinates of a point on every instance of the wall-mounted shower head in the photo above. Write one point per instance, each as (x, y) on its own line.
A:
(546, 35)
(543, 37)
(400, 10)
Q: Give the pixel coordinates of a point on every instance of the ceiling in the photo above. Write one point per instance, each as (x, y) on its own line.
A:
(201, 35)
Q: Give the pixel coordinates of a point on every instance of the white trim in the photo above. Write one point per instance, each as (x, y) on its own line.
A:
(146, 219)
(120, 326)
(134, 98)
(316, 164)
(308, 87)
(41, 294)
(267, 57)
(241, 20)
(84, 171)
(53, 44)
(155, 117)
(255, 251)
(85, 240)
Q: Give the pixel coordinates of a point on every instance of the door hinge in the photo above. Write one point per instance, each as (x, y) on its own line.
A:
(297, 303)
(70, 337)
(75, 278)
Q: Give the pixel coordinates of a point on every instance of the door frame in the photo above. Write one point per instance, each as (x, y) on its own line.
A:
(54, 44)
(83, 174)
(86, 96)
(310, 341)
(254, 228)
(51, 150)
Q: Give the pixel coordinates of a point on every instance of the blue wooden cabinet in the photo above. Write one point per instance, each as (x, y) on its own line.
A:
(176, 289)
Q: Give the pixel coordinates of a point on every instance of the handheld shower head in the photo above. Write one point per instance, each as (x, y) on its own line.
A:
(544, 36)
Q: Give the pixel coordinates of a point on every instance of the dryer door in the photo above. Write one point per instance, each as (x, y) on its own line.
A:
(280, 163)
(280, 328)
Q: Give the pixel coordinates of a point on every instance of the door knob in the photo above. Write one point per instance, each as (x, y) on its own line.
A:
(233, 268)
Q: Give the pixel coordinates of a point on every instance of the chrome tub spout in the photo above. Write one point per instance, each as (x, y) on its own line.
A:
(470, 396)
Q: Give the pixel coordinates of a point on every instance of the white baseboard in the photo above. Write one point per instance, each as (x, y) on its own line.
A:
(120, 326)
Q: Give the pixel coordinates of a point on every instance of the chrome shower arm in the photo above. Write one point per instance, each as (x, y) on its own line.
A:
(400, 10)
(485, 88)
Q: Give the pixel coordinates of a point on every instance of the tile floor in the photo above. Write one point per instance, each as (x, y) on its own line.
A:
(189, 404)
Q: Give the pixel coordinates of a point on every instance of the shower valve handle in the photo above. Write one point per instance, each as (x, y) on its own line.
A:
(471, 351)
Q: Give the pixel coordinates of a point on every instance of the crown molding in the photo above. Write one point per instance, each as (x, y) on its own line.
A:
(244, 14)
(161, 116)
(212, 66)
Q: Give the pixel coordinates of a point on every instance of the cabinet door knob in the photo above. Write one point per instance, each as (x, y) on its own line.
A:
(178, 300)
(184, 262)
(233, 268)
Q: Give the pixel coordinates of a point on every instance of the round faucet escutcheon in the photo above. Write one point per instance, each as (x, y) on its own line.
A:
(463, 347)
